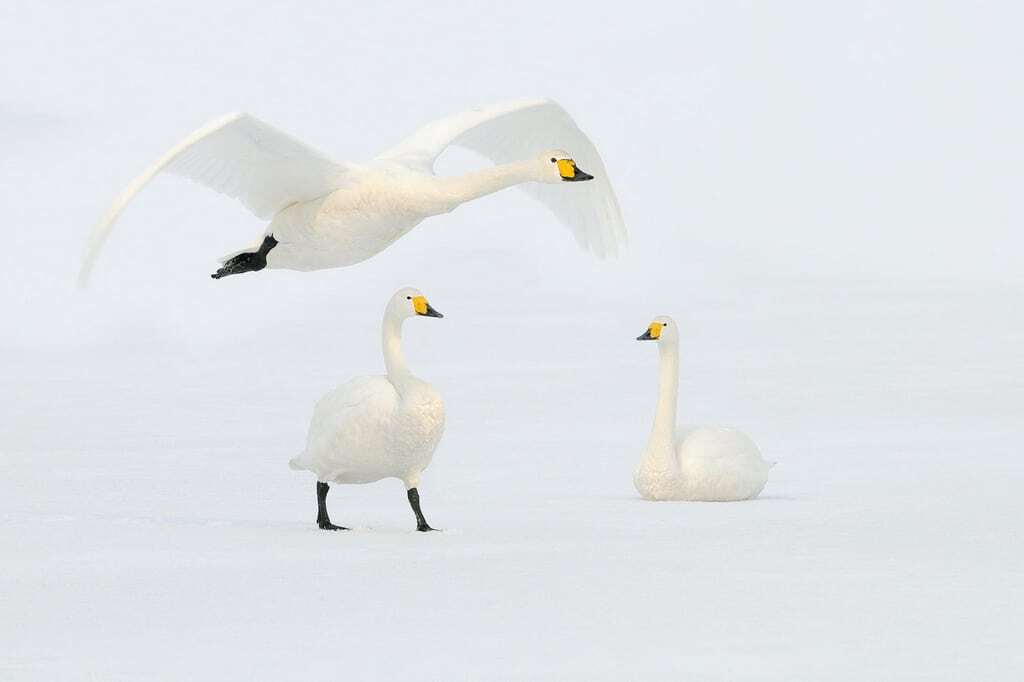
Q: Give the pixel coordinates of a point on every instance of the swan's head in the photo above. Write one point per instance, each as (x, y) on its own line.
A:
(662, 329)
(556, 165)
(410, 302)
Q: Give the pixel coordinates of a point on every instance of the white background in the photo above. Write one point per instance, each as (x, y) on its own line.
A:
(825, 195)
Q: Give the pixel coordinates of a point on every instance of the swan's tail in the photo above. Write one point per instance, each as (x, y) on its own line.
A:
(295, 463)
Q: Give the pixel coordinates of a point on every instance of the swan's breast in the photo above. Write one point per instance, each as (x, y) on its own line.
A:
(421, 415)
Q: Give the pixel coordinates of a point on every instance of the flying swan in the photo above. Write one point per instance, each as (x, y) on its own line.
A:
(705, 463)
(328, 214)
(380, 426)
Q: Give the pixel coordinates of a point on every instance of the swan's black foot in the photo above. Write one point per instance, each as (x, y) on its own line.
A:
(414, 502)
(243, 262)
(250, 261)
(323, 521)
(327, 525)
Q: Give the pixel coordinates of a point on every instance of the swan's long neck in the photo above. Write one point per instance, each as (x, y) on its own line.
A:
(463, 188)
(394, 361)
(663, 432)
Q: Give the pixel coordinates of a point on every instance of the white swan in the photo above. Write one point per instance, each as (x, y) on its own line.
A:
(380, 426)
(705, 463)
(326, 214)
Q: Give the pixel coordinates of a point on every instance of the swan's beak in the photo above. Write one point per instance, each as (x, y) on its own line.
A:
(570, 173)
(653, 332)
(423, 308)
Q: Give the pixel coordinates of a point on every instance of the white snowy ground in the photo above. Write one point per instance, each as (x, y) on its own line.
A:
(825, 195)
(150, 528)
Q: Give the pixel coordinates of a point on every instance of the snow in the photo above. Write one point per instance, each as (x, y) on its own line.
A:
(151, 527)
(837, 236)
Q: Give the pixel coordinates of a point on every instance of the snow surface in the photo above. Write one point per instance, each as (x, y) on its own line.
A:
(831, 215)
(151, 527)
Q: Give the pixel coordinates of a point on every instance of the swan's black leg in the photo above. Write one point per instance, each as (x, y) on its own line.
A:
(322, 519)
(414, 502)
(250, 261)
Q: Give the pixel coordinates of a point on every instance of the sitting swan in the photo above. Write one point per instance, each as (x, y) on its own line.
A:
(704, 463)
(325, 214)
(377, 427)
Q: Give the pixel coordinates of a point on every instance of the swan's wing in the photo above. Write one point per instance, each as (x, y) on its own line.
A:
(350, 409)
(239, 156)
(514, 131)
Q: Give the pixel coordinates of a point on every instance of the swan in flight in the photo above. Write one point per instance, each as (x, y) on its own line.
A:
(704, 463)
(328, 214)
(380, 426)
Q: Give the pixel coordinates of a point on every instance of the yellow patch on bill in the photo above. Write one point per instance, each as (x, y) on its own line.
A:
(656, 330)
(567, 168)
(419, 304)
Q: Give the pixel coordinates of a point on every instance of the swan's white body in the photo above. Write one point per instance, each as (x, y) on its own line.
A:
(380, 426)
(327, 214)
(705, 463)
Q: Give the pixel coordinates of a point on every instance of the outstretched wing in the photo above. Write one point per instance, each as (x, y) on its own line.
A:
(242, 157)
(517, 130)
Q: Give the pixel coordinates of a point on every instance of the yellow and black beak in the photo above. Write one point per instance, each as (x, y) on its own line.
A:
(653, 332)
(570, 173)
(420, 305)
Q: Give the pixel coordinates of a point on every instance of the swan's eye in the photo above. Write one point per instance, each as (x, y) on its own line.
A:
(553, 160)
(408, 298)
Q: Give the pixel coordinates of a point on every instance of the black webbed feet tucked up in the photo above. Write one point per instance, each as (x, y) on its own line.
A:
(250, 261)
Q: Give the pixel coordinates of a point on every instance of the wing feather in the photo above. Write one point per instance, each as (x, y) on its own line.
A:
(242, 157)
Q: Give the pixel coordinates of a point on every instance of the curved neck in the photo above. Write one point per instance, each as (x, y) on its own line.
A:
(663, 431)
(391, 341)
(463, 188)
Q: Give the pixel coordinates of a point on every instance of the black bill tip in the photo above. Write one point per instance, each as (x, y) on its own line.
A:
(579, 176)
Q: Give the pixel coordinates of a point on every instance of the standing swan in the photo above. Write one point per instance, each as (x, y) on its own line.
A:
(704, 463)
(377, 427)
(326, 214)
